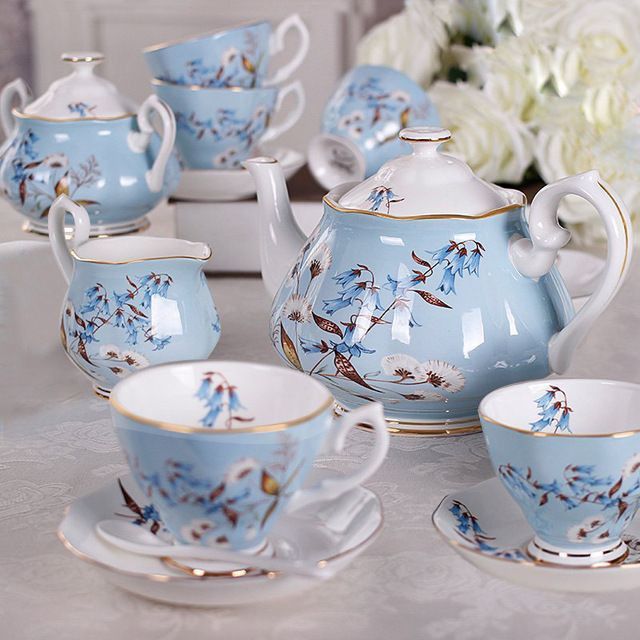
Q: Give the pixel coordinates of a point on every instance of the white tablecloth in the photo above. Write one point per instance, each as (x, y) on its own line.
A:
(408, 585)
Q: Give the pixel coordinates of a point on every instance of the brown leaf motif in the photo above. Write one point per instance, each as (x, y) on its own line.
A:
(269, 484)
(289, 348)
(344, 366)
(430, 298)
(62, 186)
(327, 325)
(419, 260)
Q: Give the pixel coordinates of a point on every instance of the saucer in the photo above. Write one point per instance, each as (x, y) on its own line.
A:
(230, 184)
(96, 231)
(497, 539)
(331, 535)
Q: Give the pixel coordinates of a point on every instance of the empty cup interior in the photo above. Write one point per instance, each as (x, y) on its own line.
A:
(589, 407)
(223, 395)
(334, 160)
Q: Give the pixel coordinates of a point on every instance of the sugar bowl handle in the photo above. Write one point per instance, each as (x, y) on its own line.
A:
(330, 488)
(155, 175)
(19, 88)
(291, 23)
(534, 258)
(61, 206)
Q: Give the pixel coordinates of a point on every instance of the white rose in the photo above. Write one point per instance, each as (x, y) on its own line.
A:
(496, 145)
(411, 41)
(487, 21)
(575, 135)
(596, 42)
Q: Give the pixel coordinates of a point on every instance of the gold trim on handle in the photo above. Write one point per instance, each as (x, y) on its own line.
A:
(624, 225)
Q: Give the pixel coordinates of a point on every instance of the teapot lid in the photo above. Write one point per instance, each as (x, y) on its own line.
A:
(427, 182)
(82, 95)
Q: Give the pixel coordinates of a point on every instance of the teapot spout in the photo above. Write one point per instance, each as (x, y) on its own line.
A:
(280, 236)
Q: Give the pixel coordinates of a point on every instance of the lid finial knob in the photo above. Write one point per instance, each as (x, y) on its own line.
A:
(425, 140)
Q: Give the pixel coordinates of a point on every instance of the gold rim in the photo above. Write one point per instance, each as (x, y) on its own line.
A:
(170, 43)
(531, 563)
(94, 261)
(195, 572)
(159, 577)
(424, 139)
(184, 428)
(196, 87)
(600, 563)
(70, 57)
(624, 225)
(430, 216)
(30, 116)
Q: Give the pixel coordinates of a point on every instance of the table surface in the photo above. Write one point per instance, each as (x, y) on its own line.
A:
(409, 584)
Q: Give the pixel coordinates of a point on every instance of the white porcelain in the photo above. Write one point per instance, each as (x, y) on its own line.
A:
(581, 271)
(81, 94)
(330, 536)
(498, 545)
(223, 185)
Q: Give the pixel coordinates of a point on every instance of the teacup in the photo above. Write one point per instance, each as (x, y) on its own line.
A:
(219, 128)
(222, 449)
(361, 123)
(132, 301)
(568, 452)
(234, 57)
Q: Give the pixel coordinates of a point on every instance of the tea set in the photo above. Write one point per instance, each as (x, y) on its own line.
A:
(426, 302)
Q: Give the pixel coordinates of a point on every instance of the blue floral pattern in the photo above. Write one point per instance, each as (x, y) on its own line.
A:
(553, 411)
(221, 399)
(382, 196)
(468, 527)
(81, 109)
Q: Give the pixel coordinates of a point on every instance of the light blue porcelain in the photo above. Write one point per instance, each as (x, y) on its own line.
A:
(110, 166)
(361, 123)
(457, 334)
(237, 57)
(218, 128)
(132, 301)
(227, 450)
(568, 452)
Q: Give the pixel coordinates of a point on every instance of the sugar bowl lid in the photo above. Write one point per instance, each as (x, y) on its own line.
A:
(427, 182)
(81, 95)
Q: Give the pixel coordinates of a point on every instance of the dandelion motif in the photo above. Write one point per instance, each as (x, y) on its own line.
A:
(382, 196)
(444, 375)
(297, 309)
(553, 411)
(404, 367)
(321, 260)
(220, 398)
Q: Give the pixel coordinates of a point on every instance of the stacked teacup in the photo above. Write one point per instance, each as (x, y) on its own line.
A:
(217, 86)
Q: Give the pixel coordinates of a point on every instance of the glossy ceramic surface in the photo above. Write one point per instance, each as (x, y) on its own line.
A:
(102, 164)
(426, 316)
(568, 452)
(227, 451)
(361, 123)
(485, 526)
(219, 128)
(330, 535)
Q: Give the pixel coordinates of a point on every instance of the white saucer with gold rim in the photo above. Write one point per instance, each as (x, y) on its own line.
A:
(486, 527)
(328, 536)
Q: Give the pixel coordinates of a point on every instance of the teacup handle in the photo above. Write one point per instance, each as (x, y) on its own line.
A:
(61, 206)
(155, 175)
(277, 42)
(330, 488)
(534, 258)
(275, 131)
(17, 87)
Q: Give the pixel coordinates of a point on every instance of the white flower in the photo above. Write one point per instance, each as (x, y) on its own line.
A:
(228, 56)
(197, 529)
(580, 532)
(297, 309)
(596, 41)
(403, 366)
(411, 41)
(487, 20)
(321, 259)
(110, 352)
(632, 466)
(497, 145)
(226, 159)
(135, 359)
(428, 396)
(444, 375)
(56, 160)
(240, 469)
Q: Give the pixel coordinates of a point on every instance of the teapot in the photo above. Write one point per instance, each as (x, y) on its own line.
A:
(83, 139)
(425, 287)
(131, 301)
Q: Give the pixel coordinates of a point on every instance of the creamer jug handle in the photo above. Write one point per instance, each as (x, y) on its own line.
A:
(534, 257)
(17, 87)
(61, 206)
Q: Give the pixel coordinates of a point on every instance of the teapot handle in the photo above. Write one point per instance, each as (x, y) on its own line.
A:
(17, 87)
(534, 258)
(155, 176)
(275, 131)
(61, 205)
(276, 44)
